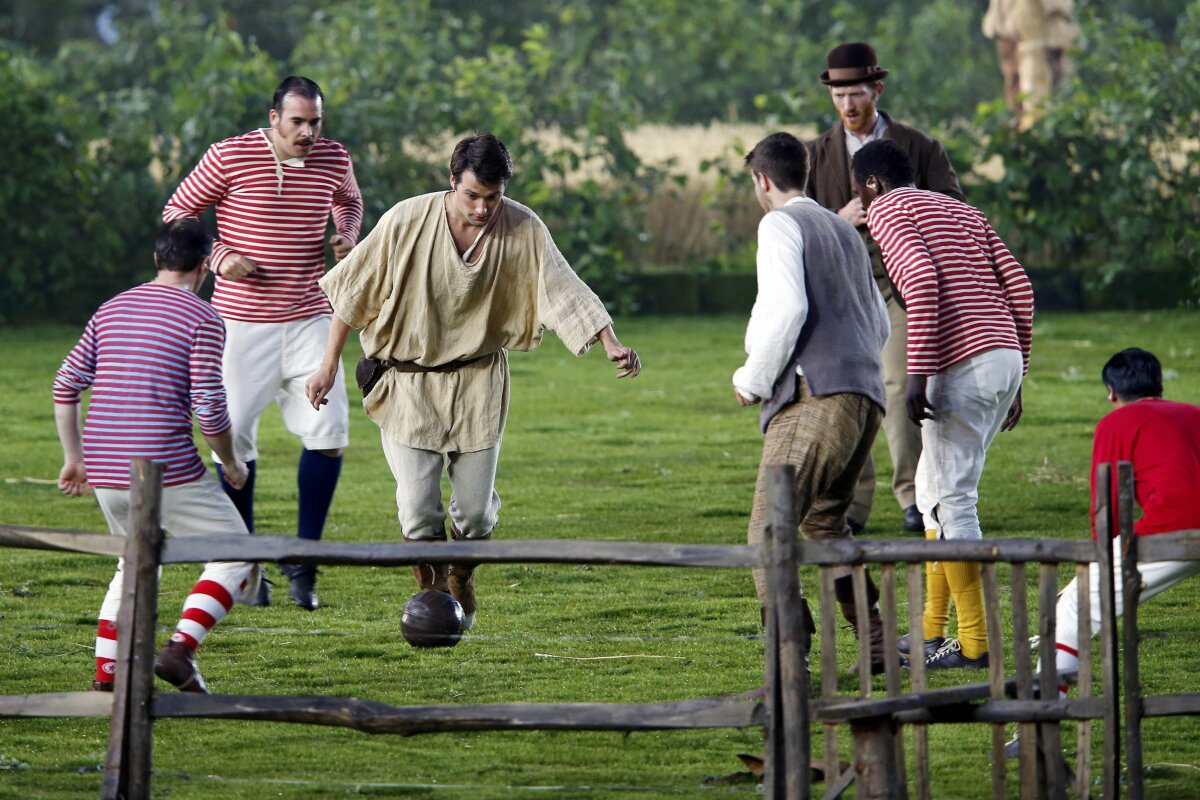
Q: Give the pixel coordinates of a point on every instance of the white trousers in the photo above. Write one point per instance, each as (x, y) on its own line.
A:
(474, 503)
(199, 508)
(1157, 577)
(269, 362)
(970, 402)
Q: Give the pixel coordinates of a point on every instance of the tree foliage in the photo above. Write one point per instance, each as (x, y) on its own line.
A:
(1103, 194)
(106, 132)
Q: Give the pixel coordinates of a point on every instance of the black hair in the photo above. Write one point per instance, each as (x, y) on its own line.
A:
(1133, 373)
(885, 159)
(781, 157)
(181, 245)
(299, 86)
(485, 155)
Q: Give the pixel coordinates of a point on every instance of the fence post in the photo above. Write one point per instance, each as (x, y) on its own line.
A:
(916, 633)
(788, 714)
(1049, 732)
(1083, 764)
(995, 633)
(1131, 590)
(1028, 769)
(127, 763)
(1108, 634)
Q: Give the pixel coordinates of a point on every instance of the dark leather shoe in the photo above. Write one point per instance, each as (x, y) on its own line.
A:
(102, 686)
(176, 665)
(913, 522)
(950, 656)
(855, 526)
(931, 645)
(303, 588)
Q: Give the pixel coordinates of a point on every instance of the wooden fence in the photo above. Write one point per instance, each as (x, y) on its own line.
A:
(787, 713)
(876, 723)
(134, 705)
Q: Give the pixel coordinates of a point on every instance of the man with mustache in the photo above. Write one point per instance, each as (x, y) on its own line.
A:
(274, 189)
(855, 82)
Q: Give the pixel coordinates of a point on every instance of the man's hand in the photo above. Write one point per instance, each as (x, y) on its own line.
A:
(319, 384)
(624, 357)
(744, 401)
(853, 213)
(626, 360)
(915, 401)
(236, 473)
(72, 479)
(341, 246)
(236, 266)
(1014, 413)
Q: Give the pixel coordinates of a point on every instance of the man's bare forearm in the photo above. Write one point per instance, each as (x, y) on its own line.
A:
(222, 445)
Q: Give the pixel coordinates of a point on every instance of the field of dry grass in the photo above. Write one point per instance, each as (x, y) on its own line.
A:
(706, 213)
(709, 208)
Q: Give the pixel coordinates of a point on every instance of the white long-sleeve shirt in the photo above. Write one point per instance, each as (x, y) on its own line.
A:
(781, 307)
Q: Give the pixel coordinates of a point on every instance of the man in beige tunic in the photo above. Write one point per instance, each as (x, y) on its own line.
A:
(443, 287)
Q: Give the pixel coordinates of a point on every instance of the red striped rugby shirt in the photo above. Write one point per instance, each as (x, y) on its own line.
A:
(275, 214)
(151, 356)
(964, 291)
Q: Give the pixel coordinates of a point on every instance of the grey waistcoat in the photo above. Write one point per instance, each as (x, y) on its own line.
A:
(839, 345)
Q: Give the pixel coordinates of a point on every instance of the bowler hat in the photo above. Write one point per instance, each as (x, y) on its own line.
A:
(850, 63)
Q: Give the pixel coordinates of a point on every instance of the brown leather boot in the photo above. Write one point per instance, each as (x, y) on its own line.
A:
(461, 580)
(844, 590)
(176, 664)
(430, 576)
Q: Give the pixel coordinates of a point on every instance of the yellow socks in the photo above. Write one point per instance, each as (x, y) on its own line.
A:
(937, 596)
(967, 587)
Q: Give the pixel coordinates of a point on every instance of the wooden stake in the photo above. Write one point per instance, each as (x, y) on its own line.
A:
(991, 605)
(127, 764)
(916, 643)
(1131, 591)
(1110, 669)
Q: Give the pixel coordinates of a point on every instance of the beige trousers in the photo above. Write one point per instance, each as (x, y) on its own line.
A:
(826, 439)
(903, 437)
(474, 503)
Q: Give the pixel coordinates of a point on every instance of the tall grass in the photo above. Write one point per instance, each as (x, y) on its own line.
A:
(666, 457)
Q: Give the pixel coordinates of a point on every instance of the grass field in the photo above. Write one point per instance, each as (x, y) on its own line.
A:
(668, 457)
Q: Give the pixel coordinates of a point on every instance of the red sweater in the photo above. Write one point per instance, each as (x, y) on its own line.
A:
(152, 357)
(275, 214)
(963, 290)
(1161, 439)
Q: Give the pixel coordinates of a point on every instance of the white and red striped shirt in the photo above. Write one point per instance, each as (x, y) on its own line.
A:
(964, 291)
(152, 357)
(275, 213)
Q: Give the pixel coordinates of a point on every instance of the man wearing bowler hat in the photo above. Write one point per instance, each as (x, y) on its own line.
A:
(855, 82)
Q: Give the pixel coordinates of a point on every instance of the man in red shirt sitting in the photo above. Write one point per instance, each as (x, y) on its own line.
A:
(1161, 438)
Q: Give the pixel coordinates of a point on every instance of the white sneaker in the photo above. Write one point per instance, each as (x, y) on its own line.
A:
(1012, 748)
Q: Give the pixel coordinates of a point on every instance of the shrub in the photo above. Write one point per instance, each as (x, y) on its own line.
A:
(1103, 193)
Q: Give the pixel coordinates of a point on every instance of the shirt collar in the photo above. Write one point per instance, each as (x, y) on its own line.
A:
(279, 164)
(854, 144)
(298, 161)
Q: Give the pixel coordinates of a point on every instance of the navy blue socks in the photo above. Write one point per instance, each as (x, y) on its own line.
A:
(316, 479)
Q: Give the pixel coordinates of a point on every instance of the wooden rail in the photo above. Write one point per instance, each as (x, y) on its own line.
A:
(1042, 771)
(786, 712)
(133, 706)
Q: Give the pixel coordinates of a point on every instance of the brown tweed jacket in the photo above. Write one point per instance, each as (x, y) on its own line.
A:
(829, 178)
